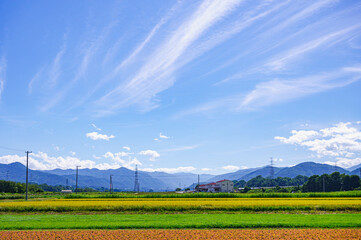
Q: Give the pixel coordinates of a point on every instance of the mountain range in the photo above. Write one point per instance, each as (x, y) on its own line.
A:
(123, 178)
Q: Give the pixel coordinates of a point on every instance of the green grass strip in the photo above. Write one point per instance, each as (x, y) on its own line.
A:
(174, 221)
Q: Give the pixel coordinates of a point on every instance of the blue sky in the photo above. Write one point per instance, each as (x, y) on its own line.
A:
(196, 86)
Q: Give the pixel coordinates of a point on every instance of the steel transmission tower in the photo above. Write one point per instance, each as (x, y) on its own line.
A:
(111, 184)
(271, 169)
(136, 180)
(76, 180)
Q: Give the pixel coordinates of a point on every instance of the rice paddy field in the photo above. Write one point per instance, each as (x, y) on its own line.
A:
(171, 216)
(183, 204)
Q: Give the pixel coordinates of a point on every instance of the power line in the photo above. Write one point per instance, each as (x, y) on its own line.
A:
(12, 149)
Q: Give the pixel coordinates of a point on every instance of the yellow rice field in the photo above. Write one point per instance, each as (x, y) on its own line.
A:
(186, 203)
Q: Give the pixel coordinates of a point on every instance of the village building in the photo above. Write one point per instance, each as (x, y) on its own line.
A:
(214, 187)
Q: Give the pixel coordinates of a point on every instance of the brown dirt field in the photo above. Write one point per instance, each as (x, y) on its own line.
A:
(187, 234)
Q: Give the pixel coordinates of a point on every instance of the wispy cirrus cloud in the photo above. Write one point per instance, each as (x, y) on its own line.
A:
(48, 76)
(2, 74)
(94, 126)
(156, 74)
(290, 19)
(279, 91)
(282, 60)
(280, 33)
(55, 70)
(89, 49)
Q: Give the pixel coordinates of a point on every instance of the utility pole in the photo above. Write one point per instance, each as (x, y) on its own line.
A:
(111, 184)
(76, 184)
(7, 175)
(27, 173)
(198, 183)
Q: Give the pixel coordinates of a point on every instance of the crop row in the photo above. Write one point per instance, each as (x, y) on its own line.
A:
(184, 204)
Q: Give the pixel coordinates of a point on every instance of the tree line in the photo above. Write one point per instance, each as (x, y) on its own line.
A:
(331, 183)
(260, 181)
(16, 187)
(324, 183)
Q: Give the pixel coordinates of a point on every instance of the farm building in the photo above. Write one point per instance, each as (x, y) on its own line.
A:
(220, 186)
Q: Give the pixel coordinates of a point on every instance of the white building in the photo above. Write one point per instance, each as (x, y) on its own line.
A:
(225, 185)
(220, 186)
(66, 191)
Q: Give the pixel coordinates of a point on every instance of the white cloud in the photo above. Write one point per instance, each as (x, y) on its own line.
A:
(56, 148)
(345, 162)
(163, 136)
(94, 126)
(156, 139)
(42, 161)
(182, 148)
(170, 170)
(132, 162)
(206, 169)
(126, 148)
(151, 153)
(98, 136)
(277, 159)
(231, 168)
(341, 142)
(115, 156)
(72, 153)
(2, 74)
(120, 157)
(298, 136)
